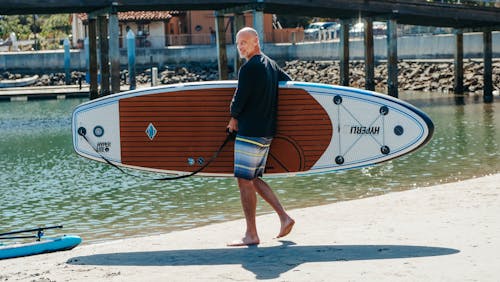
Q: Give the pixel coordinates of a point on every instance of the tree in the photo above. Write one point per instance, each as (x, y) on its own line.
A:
(20, 25)
(56, 26)
(50, 27)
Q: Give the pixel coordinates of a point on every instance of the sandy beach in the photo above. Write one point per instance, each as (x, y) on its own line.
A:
(447, 232)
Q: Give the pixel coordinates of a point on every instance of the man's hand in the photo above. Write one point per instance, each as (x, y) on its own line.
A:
(232, 126)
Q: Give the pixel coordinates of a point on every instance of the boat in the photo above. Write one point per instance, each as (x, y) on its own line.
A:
(26, 81)
(40, 246)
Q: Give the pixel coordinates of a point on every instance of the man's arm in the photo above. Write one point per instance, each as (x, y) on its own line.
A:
(242, 93)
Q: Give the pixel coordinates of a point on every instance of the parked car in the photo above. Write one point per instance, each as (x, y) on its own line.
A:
(358, 29)
(321, 30)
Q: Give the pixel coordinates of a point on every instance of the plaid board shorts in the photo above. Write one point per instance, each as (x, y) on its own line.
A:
(250, 156)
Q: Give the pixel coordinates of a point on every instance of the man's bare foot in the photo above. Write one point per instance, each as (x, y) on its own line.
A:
(286, 227)
(246, 241)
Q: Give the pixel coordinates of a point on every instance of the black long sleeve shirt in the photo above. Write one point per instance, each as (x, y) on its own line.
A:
(255, 102)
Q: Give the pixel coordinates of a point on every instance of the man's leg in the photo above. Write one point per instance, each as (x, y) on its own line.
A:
(249, 204)
(268, 195)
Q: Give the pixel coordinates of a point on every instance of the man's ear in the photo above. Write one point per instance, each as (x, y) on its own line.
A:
(255, 41)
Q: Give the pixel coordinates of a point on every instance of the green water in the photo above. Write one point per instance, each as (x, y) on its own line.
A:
(43, 182)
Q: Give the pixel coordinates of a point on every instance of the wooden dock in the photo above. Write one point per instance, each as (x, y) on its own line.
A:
(43, 93)
(48, 92)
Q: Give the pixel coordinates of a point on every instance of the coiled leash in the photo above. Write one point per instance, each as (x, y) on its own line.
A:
(229, 137)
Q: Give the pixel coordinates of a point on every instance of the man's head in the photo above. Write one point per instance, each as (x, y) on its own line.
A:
(247, 42)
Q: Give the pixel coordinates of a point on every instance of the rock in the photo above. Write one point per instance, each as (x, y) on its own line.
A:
(181, 71)
(444, 66)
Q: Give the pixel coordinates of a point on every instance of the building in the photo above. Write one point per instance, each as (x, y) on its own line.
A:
(157, 29)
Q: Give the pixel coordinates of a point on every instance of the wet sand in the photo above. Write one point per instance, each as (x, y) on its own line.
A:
(447, 232)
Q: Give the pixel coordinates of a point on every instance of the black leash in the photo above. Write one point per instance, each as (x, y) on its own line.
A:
(230, 136)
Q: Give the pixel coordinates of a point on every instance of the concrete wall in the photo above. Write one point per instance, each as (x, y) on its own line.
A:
(409, 47)
(40, 61)
(415, 47)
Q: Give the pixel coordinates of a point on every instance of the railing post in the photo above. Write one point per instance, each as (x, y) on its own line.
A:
(67, 59)
(87, 59)
(154, 76)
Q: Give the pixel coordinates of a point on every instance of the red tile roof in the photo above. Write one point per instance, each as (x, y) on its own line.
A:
(140, 15)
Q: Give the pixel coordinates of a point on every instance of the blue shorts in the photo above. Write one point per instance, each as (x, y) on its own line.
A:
(250, 156)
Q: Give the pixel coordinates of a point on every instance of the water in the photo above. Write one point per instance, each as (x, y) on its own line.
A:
(43, 182)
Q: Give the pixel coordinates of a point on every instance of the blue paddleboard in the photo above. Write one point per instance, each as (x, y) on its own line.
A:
(45, 245)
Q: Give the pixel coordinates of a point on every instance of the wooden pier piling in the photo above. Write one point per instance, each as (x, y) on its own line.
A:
(93, 91)
(369, 55)
(392, 57)
(239, 23)
(258, 25)
(344, 52)
(102, 22)
(458, 66)
(221, 45)
(487, 64)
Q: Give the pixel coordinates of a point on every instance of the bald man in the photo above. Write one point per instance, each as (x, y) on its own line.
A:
(253, 117)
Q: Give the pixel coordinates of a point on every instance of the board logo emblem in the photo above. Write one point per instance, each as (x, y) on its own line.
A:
(103, 147)
(151, 131)
(369, 130)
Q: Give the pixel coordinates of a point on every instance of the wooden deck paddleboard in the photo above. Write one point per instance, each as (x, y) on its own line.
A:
(177, 128)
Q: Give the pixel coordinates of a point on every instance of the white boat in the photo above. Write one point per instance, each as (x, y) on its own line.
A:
(26, 81)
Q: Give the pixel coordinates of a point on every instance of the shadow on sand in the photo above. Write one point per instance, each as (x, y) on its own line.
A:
(265, 262)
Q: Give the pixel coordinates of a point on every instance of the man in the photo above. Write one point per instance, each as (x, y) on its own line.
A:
(253, 117)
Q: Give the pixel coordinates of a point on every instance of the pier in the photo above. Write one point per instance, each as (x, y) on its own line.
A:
(46, 93)
(459, 16)
(42, 93)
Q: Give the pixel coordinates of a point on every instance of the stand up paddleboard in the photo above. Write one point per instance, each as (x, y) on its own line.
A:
(177, 128)
(40, 246)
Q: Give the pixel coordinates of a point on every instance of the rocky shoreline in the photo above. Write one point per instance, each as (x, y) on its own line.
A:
(413, 75)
